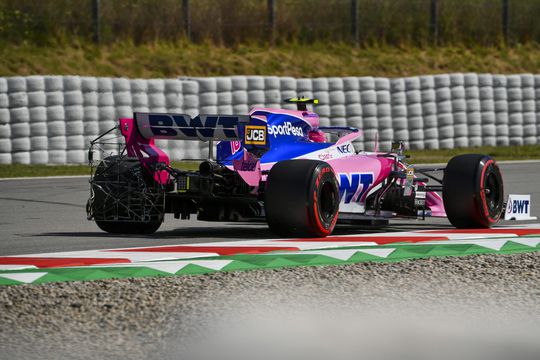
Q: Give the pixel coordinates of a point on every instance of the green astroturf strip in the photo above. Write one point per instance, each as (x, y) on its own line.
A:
(4, 281)
(265, 261)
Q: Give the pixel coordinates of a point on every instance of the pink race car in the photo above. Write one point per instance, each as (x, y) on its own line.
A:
(279, 166)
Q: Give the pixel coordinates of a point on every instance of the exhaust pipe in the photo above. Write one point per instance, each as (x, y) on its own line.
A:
(209, 168)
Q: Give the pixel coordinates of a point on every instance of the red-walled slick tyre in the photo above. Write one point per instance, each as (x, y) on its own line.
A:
(302, 198)
(473, 191)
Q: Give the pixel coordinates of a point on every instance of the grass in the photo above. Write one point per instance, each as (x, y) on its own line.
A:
(393, 22)
(527, 152)
(171, 59)
(20, 170)
(499, 153)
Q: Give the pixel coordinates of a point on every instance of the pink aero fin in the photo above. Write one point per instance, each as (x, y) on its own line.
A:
(144, 149)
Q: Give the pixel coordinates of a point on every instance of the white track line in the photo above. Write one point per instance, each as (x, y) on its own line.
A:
(135, 256)
(46, 177)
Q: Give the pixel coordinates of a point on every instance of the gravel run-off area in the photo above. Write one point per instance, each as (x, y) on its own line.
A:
(478, 306)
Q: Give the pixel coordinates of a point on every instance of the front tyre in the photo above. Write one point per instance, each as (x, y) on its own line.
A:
(302, 198)
(473, 191)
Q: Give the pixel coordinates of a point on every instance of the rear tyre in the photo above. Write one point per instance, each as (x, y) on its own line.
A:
(473, 191)
(119, 190)
(302, 198)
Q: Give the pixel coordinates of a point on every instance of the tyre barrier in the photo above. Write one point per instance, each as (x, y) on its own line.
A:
(51, 119)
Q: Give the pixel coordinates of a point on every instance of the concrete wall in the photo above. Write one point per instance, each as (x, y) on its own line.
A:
(50, 119)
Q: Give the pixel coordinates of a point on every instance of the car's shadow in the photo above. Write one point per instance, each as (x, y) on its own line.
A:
(189, 232)
(242, 231)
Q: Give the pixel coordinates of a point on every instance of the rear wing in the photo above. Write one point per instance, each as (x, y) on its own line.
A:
(142, 129)
(184, 127)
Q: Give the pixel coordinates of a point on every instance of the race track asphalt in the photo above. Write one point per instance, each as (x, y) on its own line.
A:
(48, 215)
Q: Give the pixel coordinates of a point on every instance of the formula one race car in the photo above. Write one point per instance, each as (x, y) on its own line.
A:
(278, 166)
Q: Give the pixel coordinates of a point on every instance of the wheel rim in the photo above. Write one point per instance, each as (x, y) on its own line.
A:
(327, 201)
(492, 191)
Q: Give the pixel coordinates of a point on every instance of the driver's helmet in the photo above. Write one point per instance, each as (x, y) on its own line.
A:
(317, 136)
